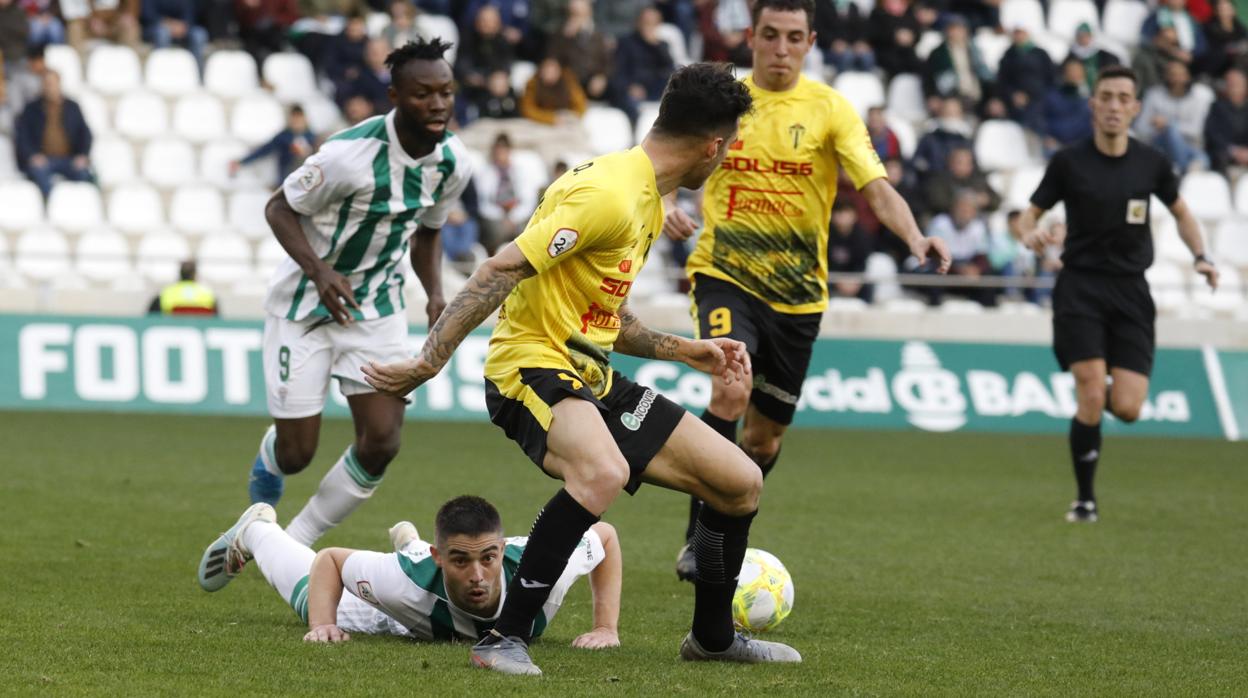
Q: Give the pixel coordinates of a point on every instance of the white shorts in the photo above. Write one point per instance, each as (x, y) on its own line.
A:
(299, 361)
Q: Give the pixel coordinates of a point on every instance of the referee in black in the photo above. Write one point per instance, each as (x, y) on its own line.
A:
(1102, 310)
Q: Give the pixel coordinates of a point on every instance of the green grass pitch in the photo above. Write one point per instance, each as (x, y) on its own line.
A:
(924, 565)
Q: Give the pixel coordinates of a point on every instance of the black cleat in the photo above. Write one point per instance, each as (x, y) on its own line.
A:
(686, 564)
(1082, 511)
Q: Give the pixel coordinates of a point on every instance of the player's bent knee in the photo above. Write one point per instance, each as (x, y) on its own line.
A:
(595, 485)
(376, 452)
(1126, 413)
(739, 492)
(293, 456)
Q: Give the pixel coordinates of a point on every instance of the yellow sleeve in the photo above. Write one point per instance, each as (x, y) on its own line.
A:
(853, 144)
(583, 218)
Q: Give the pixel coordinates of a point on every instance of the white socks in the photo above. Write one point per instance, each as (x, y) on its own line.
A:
(284, 561)
(267, 454)
(343, 488)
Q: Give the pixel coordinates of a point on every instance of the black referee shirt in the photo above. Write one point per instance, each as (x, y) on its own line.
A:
(1107, 202)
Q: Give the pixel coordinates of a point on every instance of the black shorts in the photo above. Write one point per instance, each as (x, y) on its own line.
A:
(780, 344)
(1101, 316)
(639, 419)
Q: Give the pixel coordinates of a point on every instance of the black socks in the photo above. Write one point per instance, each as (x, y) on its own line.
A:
(1085, 451)
(719, 542)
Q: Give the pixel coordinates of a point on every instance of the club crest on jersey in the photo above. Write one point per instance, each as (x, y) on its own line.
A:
(365, 591)
(311, 178)
(797, 131)
(564, 240)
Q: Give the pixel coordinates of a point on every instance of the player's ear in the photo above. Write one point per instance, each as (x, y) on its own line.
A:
(392, 93)
(749, 37)
(433, 549)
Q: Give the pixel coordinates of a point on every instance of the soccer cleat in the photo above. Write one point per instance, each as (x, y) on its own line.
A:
(263, 485)
(686, 564)
(1082, 511)
(506, 655)
(745, 650)
(224, 558)
(401, 534)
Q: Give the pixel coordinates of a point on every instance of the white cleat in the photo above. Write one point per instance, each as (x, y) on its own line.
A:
(224, 558)
(744, 650)
(401, 534)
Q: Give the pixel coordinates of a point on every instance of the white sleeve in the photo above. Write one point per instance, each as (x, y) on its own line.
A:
(378, 580)
(324, 179)
(435, 216)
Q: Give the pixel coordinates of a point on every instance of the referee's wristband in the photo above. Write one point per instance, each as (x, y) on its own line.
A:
(1201, 258)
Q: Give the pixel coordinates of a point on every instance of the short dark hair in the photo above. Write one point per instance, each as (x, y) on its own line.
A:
(418, 50)
(466, 515)
(1117, 71)
(807, 6)
(702, 99)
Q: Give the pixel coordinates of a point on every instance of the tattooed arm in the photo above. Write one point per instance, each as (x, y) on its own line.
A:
(722, 356)
(636, 339)
(485, 291)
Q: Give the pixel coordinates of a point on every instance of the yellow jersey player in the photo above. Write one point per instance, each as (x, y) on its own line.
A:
(759, 270)
(550, 386)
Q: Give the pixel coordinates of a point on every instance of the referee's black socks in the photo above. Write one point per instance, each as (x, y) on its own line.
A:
(1085, 452)
(558, 529)
(719, 542)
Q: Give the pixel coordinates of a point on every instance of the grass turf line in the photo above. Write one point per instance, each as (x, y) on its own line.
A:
(924, 565)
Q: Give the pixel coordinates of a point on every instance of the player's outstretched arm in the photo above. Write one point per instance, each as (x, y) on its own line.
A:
(334, 289)
(427, 263)
(324, 593)
(1189, 230)
(895, 214)
(723, 357)
(605, 583)
(485, 291)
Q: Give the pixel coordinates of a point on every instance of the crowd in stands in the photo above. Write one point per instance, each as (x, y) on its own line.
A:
(533, 72)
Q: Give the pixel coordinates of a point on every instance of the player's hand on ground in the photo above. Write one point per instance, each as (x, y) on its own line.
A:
(597, 639)
(723, 357)
(678, 226)
(336, 294)
(923, 247)
(398, 378)
(326, 633)
(1206, 269)
(434, 308)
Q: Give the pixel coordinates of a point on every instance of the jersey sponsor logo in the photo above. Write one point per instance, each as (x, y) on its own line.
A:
(615, 287)
(600, 317)
(1137, 211)
(764, 202)
(364, 590)
(632, 420)
(311, 178)
(737, 145)
(797, 131)
(530, 584)
(626, 266)
(564, 240)
(786, 168)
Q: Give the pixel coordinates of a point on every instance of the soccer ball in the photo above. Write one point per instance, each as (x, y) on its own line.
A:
(764, 595)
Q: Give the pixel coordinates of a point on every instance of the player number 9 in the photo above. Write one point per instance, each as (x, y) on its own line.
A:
(721, 321)
(283, 360)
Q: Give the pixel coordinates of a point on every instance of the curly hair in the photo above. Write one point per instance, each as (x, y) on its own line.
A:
(702, 99)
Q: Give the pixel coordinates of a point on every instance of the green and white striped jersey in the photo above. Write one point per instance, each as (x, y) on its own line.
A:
(403, 593)
(360, 199)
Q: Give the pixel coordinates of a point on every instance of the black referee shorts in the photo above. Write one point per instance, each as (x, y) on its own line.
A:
(1102, 316)
(639, 419)
(780, 344)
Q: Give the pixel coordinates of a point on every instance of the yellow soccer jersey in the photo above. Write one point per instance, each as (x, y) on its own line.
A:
(588, 238)
(767, 209)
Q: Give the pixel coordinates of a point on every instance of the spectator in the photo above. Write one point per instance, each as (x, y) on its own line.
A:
(320, 24)
(1006, 254)
(186, 296)
(497, 101)
(961, 176)
(949, 130)
(45, 26)
(1150, 59)
(681, 13)
(20, 86)
(966, 234)
(343, 58)
(1094, 58)
(841, 32)
(547, 17)
(461, 233)
(503, 200)
(644, 64)
(110, 20)
(514, 14)
(170, 22)
(292, 145)
(1172, 118)
(1226, 128)
(53, 138)
(1227, 40)
(588, 52)
(553, 95)
(358, 108)
(372, 82)
(14, 33)
(979, 14)
(894, 32)
(1047, 264)
(882, 137)
(484, 50)
(1067, 116)
(723, 26)
(1023, 78)
(262, 25)
(1173, 13)
(906, 183)
(848, 249)
(955, 68)
(617, 18)
(402, 27)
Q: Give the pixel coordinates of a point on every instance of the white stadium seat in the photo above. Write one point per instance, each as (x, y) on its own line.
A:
(1001, 145)
(142, 116)
(905, 97)
(102, 255)
(268, 257)
(135, 208)
(521, 73)
(112, 160)
(863, 90)
(113, 70)
(223, 258)
(992, 47)
(199, 118)
(1168, 285)
(159, 255)
(429, 26)
(608, 129)
(247, 213)
(323, 115)
(168, 163)
(75, 206)
(531, 170)
(881, 271)
(8, 160)
(256, 119)
(68, 64)
(1025, 13)
(1124, 19)
(928, 43)
(1167, 244)
(197, 209)
(42, 254)
(215, 167)
(95, 111)
(1229, 295)
(838, 304)
(231, 74)
(1065, 16)
(647, 112)
(1241, 196)
(291, 76)
(671, 35)
(1207, 194)
(22, 204)
(907, 137)
(961, 306)
(1023, 184)
(171, 72)
(1230, 242)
